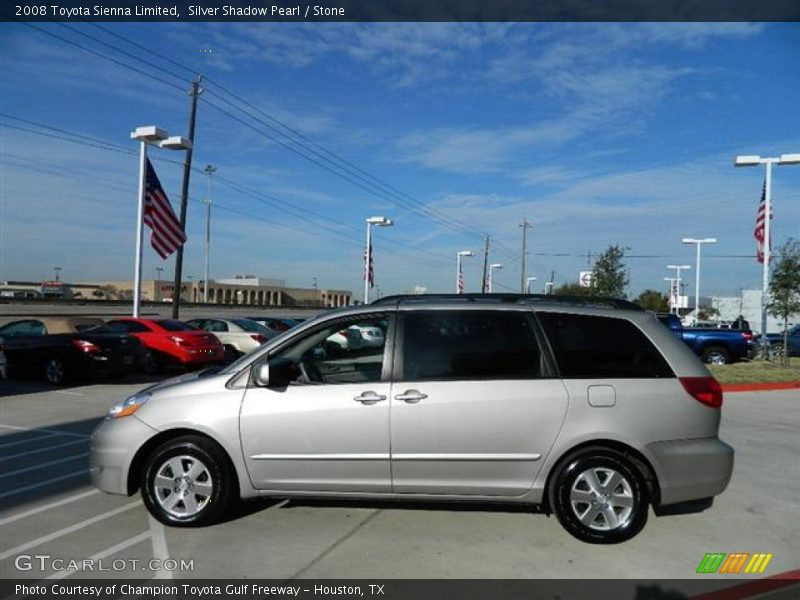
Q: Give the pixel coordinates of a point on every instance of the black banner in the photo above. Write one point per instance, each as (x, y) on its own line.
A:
(400, 10)
(577, 589)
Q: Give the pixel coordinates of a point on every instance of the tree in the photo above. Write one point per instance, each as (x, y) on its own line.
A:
(784, 288)
(609, 276)
(653, 300)
(572, 289)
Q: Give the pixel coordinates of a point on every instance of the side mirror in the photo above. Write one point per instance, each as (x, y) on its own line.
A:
(261, 375)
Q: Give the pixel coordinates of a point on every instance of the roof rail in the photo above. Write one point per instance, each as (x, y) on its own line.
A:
(605, 301)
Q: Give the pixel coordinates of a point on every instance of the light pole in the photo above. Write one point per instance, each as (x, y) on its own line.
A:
(489, 278)
(673, 295)
(698, 242)
(459, 275)
(315, 291)
(157, 290)
(528, 284)
(209, 170)
(57, 270)
(678, 269)
(157, 137)
(754, 161)
(380, 222)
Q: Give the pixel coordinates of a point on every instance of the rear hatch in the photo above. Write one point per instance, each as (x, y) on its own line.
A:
(117, 348)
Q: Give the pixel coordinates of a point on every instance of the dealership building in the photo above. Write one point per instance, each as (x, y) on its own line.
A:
(243, 290)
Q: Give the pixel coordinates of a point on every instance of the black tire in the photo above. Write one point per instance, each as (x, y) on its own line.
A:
(191, 506)
(152, 363)
(715, 355)
(571, 497)
(55, 371)
(230, 354)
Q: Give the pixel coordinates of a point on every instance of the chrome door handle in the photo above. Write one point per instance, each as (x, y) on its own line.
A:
(411, 396)
(369, 398)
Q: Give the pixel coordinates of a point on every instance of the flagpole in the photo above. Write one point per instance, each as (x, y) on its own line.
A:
(767, 257)
(137, 278)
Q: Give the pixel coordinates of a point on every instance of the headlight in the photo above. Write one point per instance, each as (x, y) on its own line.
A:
(128, 406)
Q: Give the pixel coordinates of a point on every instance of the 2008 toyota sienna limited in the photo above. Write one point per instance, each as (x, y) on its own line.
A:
(591, 410)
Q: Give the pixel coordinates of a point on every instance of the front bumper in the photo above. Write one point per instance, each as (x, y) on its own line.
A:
(691, 469)
(114, 443)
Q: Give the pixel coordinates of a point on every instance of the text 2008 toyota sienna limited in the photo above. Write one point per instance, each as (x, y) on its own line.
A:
(592, 410)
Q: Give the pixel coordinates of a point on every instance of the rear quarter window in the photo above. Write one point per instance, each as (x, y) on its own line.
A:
(592, 347)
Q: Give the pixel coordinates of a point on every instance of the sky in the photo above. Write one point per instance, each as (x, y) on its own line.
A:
(596, 133)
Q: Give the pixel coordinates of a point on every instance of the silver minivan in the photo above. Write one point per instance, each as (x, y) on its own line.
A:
(591, 410)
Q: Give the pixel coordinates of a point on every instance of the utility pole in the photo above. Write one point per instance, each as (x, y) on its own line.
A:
(187, 169)
(485, 265)
(209, 170)
(525, 226)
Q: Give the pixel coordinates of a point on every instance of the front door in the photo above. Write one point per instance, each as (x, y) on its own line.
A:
(328, 429)
(475, 410)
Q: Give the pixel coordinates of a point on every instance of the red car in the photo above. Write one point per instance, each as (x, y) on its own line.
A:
(171, 342)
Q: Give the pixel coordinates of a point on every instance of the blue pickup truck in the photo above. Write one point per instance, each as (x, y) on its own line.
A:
(714, 346)
(793, 346)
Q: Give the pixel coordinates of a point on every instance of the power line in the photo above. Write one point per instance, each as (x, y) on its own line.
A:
(340, 167)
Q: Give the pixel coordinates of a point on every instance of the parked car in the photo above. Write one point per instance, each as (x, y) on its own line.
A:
(276, 324)
(592, 413)
(713, 346)
(238, 336)
(3, 362)
(171, 342)
(62, 348)
(776, 341)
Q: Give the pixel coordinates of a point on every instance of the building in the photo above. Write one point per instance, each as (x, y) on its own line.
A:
(748, 304)
(239, 290)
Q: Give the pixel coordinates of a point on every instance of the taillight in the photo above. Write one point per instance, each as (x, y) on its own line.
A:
(346, 333)
(178, 340)
(703, 389)
(259, 337)
(85, 346)
(748, 335)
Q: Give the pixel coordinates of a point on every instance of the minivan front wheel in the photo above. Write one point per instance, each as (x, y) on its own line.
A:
(187, 482)
(599, 497)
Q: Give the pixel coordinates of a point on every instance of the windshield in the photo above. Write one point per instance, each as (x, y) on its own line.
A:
(250, 326)
(175, 325)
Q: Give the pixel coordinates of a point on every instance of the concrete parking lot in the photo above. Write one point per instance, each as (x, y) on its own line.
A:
(47, 507)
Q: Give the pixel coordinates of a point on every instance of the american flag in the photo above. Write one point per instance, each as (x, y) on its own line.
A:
(369, 271)
(460, 280)
(167, 234)
(759, 232)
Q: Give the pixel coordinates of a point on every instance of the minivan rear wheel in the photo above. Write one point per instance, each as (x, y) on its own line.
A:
(187, 482)
(599, 497)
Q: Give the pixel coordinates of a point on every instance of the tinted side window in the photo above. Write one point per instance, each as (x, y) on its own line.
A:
(601, 347)
(24, 329)
(442, 345)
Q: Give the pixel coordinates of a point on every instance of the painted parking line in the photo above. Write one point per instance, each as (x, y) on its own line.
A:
(45, 430)
(45, 449)
(44, 465)
(46, 507)
(104, 554)
(67, 530)
(33, 486)
(158, 539)
(66, 393)
(27, 441)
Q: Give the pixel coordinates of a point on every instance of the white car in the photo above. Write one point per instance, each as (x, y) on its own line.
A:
(3, 362)
(238, 336)
(357, 337)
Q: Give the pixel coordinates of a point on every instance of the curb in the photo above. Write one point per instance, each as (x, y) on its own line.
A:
(760, 387)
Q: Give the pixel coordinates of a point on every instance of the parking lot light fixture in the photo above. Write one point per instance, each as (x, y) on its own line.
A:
(678, 269)
(698, 243)
(459, 276)
(368, 280)
(489, 277)
(528, 284)
(154, 136)
(754, 160)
